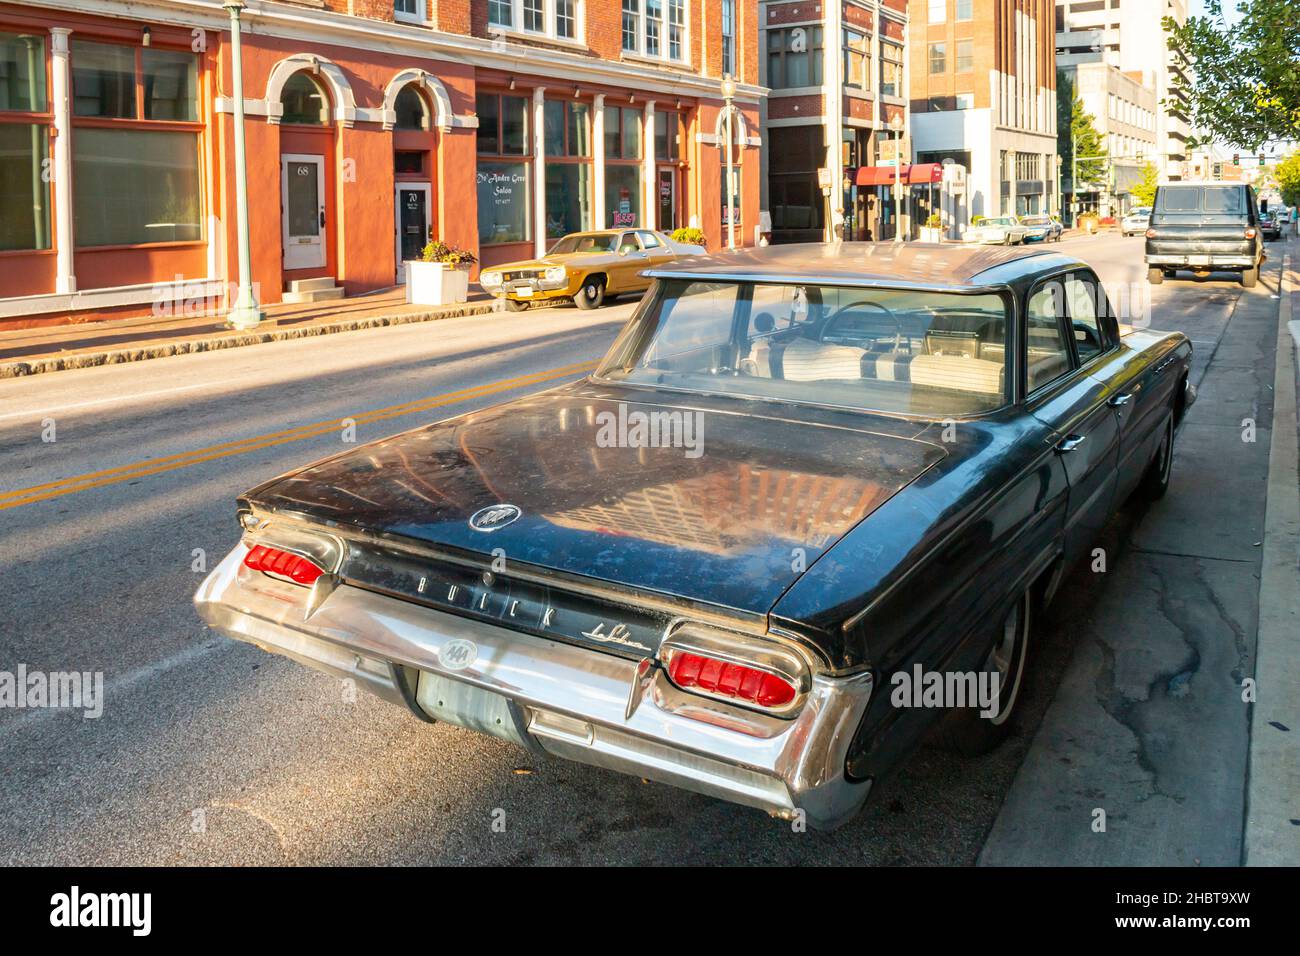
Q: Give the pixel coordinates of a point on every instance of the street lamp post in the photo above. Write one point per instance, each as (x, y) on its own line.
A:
(896, 124)
(246, 313)
(1059, 161)
(728, 93)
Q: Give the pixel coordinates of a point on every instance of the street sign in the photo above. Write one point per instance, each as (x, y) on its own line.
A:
(824, 178)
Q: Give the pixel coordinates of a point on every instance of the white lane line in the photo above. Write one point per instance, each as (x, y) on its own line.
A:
(112, 399)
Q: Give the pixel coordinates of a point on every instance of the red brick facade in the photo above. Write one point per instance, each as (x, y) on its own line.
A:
(358, 57)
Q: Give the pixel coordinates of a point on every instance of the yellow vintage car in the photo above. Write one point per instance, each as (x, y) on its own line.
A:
(587, 267)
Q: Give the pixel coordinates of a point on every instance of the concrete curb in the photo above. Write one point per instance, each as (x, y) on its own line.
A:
(1272, 836)
(59, 363)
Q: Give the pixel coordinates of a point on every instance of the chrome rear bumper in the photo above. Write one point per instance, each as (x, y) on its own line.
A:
(566, 700)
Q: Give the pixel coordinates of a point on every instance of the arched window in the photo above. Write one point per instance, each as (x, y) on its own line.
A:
(304, 101)
(411, 108)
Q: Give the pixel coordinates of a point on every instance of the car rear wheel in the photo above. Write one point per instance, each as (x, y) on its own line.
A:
(1249, 277)
(1156, 480)
(965, 730)
(1155, 276)
(514, 305)
(591, 295)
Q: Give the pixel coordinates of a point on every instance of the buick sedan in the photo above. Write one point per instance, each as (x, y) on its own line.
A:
(801, 477)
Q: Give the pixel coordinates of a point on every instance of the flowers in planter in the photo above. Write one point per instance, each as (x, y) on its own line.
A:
(449, 255)
(690, 236)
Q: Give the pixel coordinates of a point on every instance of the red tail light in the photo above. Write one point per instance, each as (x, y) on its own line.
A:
(730, 680)
(1250, 232)
(275, 561)
(1151, 233)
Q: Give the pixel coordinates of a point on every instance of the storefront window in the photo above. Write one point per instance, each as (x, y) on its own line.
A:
(103, 80)
(622, 196)
(135, 186)
(133, 182)
(22, 73)
(24, 192)
(568, 198)
(304, 101)
(504, 183)
(503, 202)
(568, 170)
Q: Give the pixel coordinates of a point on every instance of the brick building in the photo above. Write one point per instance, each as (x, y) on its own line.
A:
(494, 124)
(836, 73)
(983, 95)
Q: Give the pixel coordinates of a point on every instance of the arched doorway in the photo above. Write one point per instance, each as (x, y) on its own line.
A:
(306, 153)
(414, 197)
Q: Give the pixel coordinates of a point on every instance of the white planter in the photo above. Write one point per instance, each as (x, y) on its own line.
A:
(435, 283)
(929, 234)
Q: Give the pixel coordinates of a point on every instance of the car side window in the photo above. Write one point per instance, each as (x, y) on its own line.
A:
(1085, 300)
(649, 240)
(1047, 354)
(628, 243)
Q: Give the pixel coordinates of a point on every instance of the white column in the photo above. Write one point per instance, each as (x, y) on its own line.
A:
(598, 162)
(833, 54)
(65, 281)
(539, 171)
(648, 151)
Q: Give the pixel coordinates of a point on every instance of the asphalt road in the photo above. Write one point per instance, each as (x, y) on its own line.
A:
(210, 751)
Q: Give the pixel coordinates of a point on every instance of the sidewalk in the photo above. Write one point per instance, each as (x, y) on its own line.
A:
(1151, 752)
(1273, 788)
(81, 345)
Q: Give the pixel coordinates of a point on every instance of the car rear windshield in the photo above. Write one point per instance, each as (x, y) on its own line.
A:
(1230, 200)
(1035, 221)
(906, 352)
(1002, 221)
(580, 242)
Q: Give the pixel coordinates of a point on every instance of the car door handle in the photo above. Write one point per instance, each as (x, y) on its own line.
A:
(322, 218)
(1070, 443)
(1119, 401)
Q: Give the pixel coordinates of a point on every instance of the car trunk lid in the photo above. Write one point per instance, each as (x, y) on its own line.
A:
(730, 514)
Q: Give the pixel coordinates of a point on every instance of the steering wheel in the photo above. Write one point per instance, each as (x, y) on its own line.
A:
(898, 324)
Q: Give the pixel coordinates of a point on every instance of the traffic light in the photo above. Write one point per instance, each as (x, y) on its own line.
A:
(1236, 159)
(1261, 159)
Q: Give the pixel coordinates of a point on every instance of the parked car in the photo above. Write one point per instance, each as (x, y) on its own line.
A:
(1003, 230)
(1136, 222)
(1269, 227)
(1040, 228)
(587, 267)
(889, 456)
(1205, 227)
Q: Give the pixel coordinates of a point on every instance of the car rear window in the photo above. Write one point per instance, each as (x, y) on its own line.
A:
(1211, 199)
(898, 351)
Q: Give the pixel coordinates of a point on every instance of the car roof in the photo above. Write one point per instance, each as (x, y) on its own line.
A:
(926, 264)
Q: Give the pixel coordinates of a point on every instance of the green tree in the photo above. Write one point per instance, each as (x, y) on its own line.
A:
(1243, 85)
(1144, 190)
(1287, 176)
(1076, 135)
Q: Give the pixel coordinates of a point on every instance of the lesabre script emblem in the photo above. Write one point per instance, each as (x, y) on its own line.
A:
(618, 634)
(493, 517)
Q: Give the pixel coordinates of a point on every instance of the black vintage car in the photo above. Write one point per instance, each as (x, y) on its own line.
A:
(799, 474)
(1204, 227)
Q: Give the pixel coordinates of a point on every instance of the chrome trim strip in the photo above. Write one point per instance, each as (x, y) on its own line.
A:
(779, 765)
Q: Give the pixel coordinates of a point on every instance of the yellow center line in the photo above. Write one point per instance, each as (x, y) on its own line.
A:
(154, 466)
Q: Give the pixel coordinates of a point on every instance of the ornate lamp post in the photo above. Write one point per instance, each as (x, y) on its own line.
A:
(728, 93)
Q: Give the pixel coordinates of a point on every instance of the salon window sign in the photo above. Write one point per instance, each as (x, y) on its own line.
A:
(502, 185)
(503, 202)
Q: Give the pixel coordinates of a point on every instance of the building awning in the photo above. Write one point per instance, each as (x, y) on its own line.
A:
(914, 174)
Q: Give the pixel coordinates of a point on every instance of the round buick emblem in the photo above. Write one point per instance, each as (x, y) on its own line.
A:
(494, 517)
(458, 654)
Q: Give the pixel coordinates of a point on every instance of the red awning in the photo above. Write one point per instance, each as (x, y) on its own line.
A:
(915, 174)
